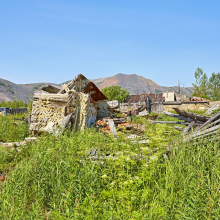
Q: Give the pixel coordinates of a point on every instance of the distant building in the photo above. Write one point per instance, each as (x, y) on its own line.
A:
(169, 96)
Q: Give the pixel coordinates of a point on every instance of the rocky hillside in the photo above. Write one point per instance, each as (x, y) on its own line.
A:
(35, 86)
(10, 91)
(137, 84)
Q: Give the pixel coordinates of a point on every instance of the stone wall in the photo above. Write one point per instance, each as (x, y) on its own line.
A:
(52, 108)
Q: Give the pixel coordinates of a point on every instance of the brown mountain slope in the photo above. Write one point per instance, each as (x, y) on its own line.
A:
(10, 91)
(137, 84)
(35, 86)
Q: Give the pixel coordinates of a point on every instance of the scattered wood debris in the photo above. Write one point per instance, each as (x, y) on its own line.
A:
(198, 126)
(214, 107)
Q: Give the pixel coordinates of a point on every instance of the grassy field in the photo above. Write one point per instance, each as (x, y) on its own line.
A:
(89, 175)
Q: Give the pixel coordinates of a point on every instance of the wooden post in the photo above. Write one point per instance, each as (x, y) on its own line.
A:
(112, 126)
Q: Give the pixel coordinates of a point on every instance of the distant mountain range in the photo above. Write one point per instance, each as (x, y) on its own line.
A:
(133, 83)
(138, 84)
(10, 91)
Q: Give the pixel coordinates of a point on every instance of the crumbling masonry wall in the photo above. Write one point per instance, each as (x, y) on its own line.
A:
(54, 107)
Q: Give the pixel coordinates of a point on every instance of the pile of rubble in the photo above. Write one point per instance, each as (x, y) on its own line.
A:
(112, 125)
(78, 104)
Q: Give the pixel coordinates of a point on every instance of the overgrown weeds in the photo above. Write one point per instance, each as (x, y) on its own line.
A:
(62, 178)
(11, 131)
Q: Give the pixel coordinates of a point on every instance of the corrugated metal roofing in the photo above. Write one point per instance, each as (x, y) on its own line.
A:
(137, 98)
(156, 97)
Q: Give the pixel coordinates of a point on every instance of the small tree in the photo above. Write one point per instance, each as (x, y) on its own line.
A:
(214, 86)
(115, 93)
(201, 87)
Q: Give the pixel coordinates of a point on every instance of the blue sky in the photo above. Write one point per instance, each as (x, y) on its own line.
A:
(163, 40)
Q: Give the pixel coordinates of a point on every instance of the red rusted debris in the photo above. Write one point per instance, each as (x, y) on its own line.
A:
(123, 125)
(2, 178)
(103, 126)
(196, 99)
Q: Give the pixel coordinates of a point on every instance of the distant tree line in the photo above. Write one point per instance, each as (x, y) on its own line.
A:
(14, 104)
(205, 87)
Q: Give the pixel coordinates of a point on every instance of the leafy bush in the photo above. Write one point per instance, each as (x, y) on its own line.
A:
(115, 93)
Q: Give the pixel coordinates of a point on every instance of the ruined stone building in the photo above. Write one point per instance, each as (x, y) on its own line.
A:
(79, 103)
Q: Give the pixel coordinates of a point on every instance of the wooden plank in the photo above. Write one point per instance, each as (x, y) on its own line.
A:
(209, 121)
(178, 128)
(68, 85)
(207, 135)
(214, 107)
(112, 126)
(187, 129)
(52, 97)
(205, 131)
(211, 125)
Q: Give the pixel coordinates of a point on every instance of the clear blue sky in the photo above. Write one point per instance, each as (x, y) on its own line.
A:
(163, 40)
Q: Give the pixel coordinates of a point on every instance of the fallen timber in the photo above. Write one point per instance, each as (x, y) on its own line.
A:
(188, 128)
(210, 120)
(213, 133)
(180, 117)
(178, 128)
(195, 117)
(210, 125)
(214, 107)
(201, 133)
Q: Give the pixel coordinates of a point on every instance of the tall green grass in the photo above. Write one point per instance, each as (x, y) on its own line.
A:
(9, 131)
(55, 178)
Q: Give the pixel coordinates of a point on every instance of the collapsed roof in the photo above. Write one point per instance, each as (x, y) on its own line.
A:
(79, 103)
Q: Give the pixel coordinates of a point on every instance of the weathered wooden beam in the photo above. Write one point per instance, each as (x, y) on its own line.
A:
(187, 129)
(195, 117)
(178, 128)
(214, 107)
(209, 121)
(52, 97)
(198, 133)
(210, 125)
(206, 135)
(177, 116)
